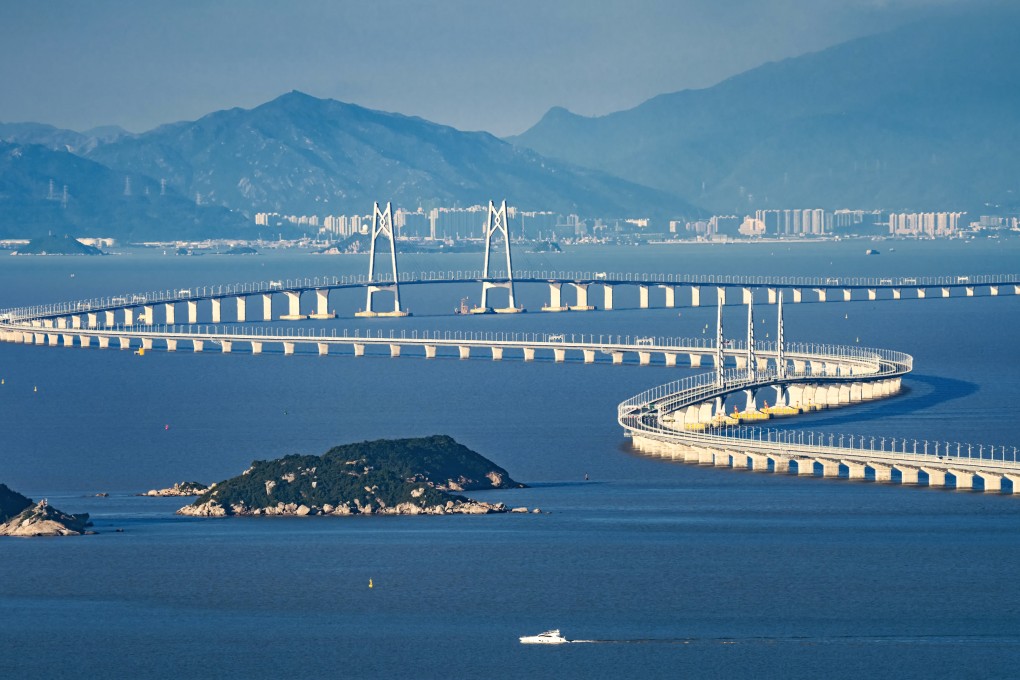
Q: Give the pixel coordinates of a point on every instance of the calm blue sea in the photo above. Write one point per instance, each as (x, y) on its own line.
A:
(672, 570)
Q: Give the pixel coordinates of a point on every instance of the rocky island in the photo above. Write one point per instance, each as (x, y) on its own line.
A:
(382, 477)
(20, 516)
(57, 245)
(179, 489)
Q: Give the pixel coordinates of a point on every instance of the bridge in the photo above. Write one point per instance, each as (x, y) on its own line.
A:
(683, 420)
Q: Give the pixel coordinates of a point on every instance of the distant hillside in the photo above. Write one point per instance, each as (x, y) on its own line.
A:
(299, 154)
(57, 245)
(57, 138)
(96, 202)
(924, 117)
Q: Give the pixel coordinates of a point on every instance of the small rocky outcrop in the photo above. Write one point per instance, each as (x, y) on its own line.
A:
(41, 519)
(382, 477)
(179, 489)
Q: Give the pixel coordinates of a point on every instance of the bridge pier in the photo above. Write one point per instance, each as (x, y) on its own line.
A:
(936, 476)
(643, 297)
(896, 294)
(197, 345)
(582, 298)
(695, 360)
(945, 291)
(589, 356)
(147, 343)
(430, 351)
(670, 296)
(739, 459)
(171, 344)
(872, 294)
(242, 308)
(226, 346)
(883, 473)
(293, 306)
(322, 305)
(822, 292)
(169, 313)
(529, 353)
(323, 348)
(617, 357)
(68, 340)
(192, 311)
(854, 469)
(395, 351)
(721, 459)
(217, 310)
(798, 295)
(990, 482)
(993, 290)
(908, 474)
(129, 316)
(52, 339)
(847, 295)
(668, 357)
(84, 340)
(780, 463)
(359, 349)
(963, 480)
(108, 319)
(92, 319)
(256, 347)
(830, 468)
(559, 355)
(805, 466)
(607, 299)
(773, 296)
(758, 462)
(1014, 481)
(748, 296)
(696, 296)
(465, 351)
(267, 306)
(705, 456)
(644, 358)
(125, 342)
(76, 321)
(555, 298)
(288, 348)
(921, 293)
(969, 290)
(497, 353)
(104, 341)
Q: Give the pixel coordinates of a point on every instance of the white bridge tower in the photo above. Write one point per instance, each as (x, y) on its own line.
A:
(497, 223)
(382, 226)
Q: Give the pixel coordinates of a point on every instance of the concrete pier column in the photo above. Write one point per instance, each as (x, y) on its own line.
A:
(644, 358)
(696, 296)
(844, 395)
(92, 319)
(217, 310)
(945, 291)
(695, 360)
(497, 353)
(773, 296)
(936, 476)
(799, 366)
(964, 480)
(226, 346)
(589, 356)
(192, 312)
(817, 368)
(847, 295)
(293, 306)
(706, 412)
(868, 390)
(125, 342)
(104, 341)
(465, 351)
(147, 316)
(242, 308)
(61, 322)
(582, 297)
(993, 290)
(897, 294)
(322, 305)
(669, 358)
(822, 293)
(643, 297)
(267, 306)
(758, 462)
(830, 468)
(108, 319)
(780, 464)
(991, 482)
(798, 295)
(805, 466)
(323, 348)
(559, 355)
(617, 357)
(883, 473)
(395, 351)
(750, 405)
(555, 298)
(969, 290)
(721, 459)
(84, 340)
(872, 294)
(607, 297)
(129, 316)
(856, 393)
(529, 353)
(670, 296)
(739, 460)
(169, 313)
(68, 340)
(197, 345)
(430, 351)
(1014, 480)
(146, 343)
(921, 293)
(748, 296)
(908, 474)
(256, 347)
(171, 344)
(288, 348)
(75, 322)
(781, 397)
(705, 456)
(359, 350)
(52, 339)
(854, 469)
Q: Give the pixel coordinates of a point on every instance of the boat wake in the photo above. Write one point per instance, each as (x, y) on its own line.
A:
(836, 639)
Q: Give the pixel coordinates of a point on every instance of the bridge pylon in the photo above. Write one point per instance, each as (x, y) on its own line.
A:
(720, 341)
(497, 224)
(780, 349)
(382, 227)
(752, 359)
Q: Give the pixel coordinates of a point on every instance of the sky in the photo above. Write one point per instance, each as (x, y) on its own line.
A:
(494, 65)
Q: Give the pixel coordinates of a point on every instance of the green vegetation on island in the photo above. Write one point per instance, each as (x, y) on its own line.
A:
(386, 476)
(20, 516)
(57, 245)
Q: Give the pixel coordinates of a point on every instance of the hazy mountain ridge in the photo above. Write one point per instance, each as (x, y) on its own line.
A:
(299, 154)
(923, 117)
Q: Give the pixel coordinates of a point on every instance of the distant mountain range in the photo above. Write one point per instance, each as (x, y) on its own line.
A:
(923, 117)
(295, 155)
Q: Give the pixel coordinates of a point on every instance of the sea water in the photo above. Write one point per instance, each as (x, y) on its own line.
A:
(672, 570)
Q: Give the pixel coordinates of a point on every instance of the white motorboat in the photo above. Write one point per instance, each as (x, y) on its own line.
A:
(549, 637)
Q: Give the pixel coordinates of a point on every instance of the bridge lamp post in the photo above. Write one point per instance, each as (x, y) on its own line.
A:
(926, 447)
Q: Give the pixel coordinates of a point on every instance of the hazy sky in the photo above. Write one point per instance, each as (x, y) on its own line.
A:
(476, 65)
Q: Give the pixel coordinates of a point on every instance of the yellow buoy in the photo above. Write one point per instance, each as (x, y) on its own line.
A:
(369, 583)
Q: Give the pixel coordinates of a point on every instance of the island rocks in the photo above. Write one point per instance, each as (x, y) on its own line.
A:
(383, 477)
(180, 489)
(41, 519)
